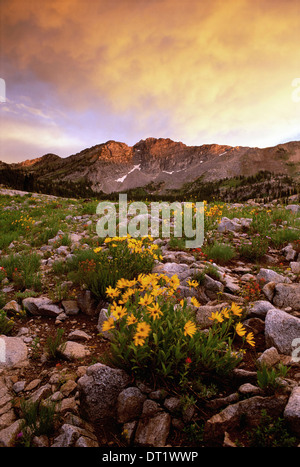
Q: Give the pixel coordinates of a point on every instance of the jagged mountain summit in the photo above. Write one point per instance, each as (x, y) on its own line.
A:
(160, 162)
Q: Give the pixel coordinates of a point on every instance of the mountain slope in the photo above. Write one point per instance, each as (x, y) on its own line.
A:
(168, 165)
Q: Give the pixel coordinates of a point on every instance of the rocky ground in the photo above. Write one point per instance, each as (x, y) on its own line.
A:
(97, 405)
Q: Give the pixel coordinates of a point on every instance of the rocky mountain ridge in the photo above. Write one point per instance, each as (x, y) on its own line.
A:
(165, 164)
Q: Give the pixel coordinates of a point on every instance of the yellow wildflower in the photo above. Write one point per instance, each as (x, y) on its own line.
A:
(195, 302)
(143, 328)
(119, 311)
(96, 250)
(250, 339)
(240, 330)
(131, 319)
(216, 316)
(189, 328)
(108, 324)
(236, 309)
(138, 339)
(155, 310)
(111, 292)
(146, 300)
(192, 283)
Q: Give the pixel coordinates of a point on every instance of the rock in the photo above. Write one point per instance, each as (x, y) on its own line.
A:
(249, 389)
(212, 287)
(9, 435)
(87, 303)
(269, 290)
(295, 267)
(70, 307)
(99, 389)
(268, 275)
(103, 316)
(13, 352)
(129, 404)
(73, 351)
(73, 436)
(287, 295)
(229, 225)
(41, 306)
(293, 207)
(259, 308)
(205, 312)
(269, 357)
(40, 394)
(12, 306)
(292, 411)
(181, 270)
(153, 431)
(78, 335)
(281, 329)
(251, 409)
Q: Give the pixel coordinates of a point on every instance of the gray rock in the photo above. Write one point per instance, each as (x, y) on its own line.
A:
(204, 314)
(9, 435)
(251, 409)
(70, 307)
(293, 207)
(229, 225)
(281, 329)
(295, 267)
(41, 306)
(78, 335)
(74, 436)
(129, 404)
(87, 303)
(13, 352)
(74, 350)
(212, 287)
(292, 411)
(259, 308)
(269, 357)
(286, 295)
(181, 270)
(268, 275)
(99, 389)
(12, 306)
(153, 431)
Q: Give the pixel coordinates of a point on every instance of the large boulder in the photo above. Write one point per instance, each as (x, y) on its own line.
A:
(268, 275)
(99, 389)
(281, 329)
(13, 352)
(287, 295)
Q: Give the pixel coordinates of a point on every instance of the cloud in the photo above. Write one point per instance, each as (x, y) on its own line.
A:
(191, 70)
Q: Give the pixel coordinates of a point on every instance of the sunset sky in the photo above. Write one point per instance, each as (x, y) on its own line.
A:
(80, 73)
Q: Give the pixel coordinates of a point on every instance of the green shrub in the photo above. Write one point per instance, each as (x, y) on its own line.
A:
(39, 419)
(154, 337)
(220, 252)
(54, 345)
(122, 258)
(268, 379)
(255, 249)
(271, 433)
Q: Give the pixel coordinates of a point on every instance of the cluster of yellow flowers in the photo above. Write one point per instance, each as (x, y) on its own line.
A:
(143, 246)
(213, 211)
(234, 311)
(24, 221)
(148, 292)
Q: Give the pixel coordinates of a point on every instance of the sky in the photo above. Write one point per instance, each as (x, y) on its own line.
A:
(76, 73)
